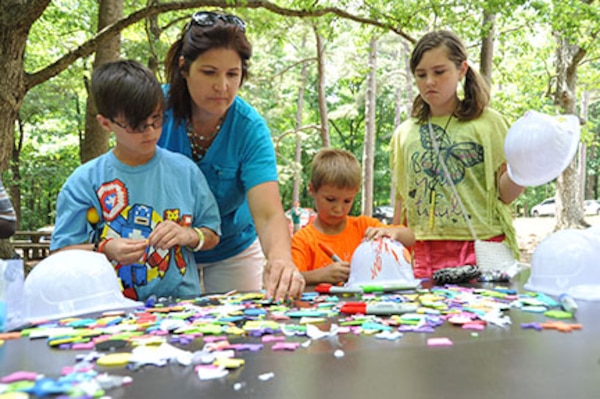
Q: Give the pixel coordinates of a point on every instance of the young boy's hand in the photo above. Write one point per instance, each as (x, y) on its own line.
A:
(125, 251)
(402, 234)
(336, 272)
(167, 234)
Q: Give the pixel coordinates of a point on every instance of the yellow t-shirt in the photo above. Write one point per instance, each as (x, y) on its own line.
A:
(473, 151)
(307, 254)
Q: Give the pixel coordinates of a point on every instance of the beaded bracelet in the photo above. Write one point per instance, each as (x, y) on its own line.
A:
(200, 239)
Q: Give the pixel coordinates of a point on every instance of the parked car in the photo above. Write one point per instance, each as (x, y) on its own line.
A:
(545, 208)
(591, 207)
(385, 213)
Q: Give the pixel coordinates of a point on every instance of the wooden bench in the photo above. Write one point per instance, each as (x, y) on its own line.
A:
(31, 245)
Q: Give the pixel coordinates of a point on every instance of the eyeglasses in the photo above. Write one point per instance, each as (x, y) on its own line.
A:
(207, 18)
(156, 124)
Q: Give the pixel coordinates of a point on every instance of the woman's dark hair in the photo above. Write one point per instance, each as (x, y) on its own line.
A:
(477, 92)
(194, 41)
(126, 89)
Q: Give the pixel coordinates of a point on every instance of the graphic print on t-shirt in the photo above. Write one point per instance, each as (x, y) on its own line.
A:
(135, 221)
(458, 156)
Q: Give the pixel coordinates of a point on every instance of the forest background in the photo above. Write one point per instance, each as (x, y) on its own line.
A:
(323, 73)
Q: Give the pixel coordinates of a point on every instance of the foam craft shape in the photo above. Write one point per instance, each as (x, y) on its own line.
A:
(539, 147)
(380, 261)
(70, 283)
(566, 262)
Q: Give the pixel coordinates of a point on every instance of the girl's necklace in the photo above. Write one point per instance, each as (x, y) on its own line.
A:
(199, 142)
(436, 150)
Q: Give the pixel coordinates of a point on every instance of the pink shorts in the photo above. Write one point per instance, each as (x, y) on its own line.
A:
(430, 256)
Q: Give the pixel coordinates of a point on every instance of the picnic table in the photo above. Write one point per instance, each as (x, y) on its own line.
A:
(31, 245)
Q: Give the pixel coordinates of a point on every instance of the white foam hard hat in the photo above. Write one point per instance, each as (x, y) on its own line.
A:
(566, 262)
(70, 283)
(381, 261)
(539, 147)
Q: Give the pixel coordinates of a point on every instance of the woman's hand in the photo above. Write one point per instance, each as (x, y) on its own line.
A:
(282, 279)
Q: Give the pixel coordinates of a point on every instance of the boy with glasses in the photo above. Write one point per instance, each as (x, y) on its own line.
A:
(149, 209)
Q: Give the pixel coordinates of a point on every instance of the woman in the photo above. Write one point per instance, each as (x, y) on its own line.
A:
(231, 143)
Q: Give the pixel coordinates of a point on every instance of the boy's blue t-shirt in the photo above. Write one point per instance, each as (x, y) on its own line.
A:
(242, 156)
(131, 201)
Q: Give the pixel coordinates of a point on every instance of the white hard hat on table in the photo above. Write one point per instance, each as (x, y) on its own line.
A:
(73, 282)
(381, 261)
(566, 262)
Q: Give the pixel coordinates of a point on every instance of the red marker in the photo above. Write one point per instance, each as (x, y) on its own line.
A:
(330, 252)
(326, 288)
(378, 308)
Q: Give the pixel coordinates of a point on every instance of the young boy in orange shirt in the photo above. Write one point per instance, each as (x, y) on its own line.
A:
(335, 181)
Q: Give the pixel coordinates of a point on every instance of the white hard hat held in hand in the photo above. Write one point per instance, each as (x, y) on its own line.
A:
(539, 147)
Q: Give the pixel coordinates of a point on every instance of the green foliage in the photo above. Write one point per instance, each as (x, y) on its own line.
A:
(523, 78)
(42, 177)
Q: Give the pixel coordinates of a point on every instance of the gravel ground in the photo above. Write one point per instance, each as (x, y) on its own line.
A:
(530, 231)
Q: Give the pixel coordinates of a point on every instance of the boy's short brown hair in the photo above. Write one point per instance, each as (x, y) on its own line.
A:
(335, 167)
(126, 89)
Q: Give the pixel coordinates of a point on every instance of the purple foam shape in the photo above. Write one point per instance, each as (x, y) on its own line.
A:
(531, 326)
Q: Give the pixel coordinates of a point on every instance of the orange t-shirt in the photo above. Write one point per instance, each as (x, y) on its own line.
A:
(307, 254)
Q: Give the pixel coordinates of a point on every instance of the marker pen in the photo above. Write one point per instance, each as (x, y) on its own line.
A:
(326, 288)
(568, 303)
(329, 252)
(378, 308)
(368, 288)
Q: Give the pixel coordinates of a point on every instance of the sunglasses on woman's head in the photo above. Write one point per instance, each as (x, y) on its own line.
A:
(207, 18)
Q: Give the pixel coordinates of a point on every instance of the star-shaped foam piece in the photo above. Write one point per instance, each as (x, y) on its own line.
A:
(561, 326)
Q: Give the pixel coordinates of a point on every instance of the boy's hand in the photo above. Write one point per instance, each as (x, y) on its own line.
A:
(125, 251)
(402, 234)
(336, 272)
(167, 234)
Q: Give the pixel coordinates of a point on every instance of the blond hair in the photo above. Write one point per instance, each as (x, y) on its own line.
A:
(335, 167)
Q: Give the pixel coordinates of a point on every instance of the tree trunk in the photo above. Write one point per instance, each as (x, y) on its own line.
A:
(569, 210)
(487, 46)
(6, 250)
(590, 182)
(95, 139)
(369, 143)
(15, 168)
(299, 113)
(321, 90)
(16, 20)
(404, 99)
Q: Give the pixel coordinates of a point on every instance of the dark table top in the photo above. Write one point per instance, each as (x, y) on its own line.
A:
(499, 362)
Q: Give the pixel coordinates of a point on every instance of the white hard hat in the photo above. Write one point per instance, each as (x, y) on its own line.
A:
(539, 147)
(566, 262)
(381, 261)
(70, 283)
